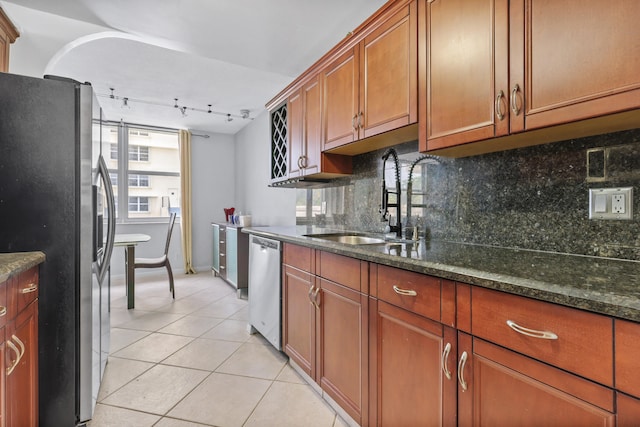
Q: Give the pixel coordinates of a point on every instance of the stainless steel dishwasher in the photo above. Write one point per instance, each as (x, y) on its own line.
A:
(264, 288)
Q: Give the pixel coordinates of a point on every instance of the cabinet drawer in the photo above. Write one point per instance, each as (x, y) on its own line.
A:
(415, 292)
(570, 339)
(340, 269)
(4, 304)
(627, 361)
(299, 257)
(26, 290)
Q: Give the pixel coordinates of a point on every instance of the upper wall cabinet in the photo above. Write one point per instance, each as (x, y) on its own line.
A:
(372, 87)
(500, 67)
(296, 146)
(8, 34)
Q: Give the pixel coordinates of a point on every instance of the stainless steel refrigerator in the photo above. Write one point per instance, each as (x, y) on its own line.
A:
(56, 197)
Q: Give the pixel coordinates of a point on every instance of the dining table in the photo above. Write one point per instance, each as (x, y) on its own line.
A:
(129, 242)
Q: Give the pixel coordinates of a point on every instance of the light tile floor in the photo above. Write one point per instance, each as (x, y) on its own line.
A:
(191, 362)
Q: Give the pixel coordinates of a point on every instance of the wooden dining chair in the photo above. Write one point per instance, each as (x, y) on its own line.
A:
(161, 261)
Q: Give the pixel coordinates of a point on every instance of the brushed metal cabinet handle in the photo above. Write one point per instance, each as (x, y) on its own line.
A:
(316, 294)
(498, 105)
(408, 292)
(3, 311)
(514, 99)
(461, 364)
(31, 288)
(13, 365)
(545, 335)
(444, 361)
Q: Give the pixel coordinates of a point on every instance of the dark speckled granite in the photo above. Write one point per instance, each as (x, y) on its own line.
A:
(17, 262)
(602, 285)
(531, 198)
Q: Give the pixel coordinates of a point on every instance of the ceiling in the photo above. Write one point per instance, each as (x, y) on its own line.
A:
(232, 54)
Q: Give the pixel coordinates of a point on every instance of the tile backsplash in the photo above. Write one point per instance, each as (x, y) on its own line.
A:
(530, 198)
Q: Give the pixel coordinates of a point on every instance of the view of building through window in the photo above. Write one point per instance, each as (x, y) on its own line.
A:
(148, 161)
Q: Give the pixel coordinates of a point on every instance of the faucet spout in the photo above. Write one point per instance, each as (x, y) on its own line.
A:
(384, 209)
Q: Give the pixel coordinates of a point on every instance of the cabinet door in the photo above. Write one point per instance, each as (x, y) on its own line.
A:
(498, 387)
(388, 75)
(215, 263)
(232, 255)
(581, 59)
(628, 411)
(298, 318)
(410, 358)
(342, 346)
(340, 104)
(295, 129)
(3, 377)
(465, 58)
(312, 141)
(22, 382)
(222, 255)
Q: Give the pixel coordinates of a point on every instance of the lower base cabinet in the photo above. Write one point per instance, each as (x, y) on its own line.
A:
(409, 358)
(19, 350)
(396, 348)
(325, 331)
(628, 411)
(342, 347)
(22, 396)
(498, 387)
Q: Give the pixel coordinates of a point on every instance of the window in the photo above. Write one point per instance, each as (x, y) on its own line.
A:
(138, 153)
(145, 161)
(138, 204)
(136, 180)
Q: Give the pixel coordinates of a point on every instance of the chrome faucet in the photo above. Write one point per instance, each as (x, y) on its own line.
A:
(410, 191)
(384, 207)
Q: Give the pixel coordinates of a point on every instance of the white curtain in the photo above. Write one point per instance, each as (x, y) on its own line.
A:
(185, 205)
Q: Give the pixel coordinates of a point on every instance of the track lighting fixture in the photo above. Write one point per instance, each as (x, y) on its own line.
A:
(126, 103)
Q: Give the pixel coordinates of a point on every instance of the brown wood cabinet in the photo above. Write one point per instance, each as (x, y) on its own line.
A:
(325, 327)
(464, 52)
(19, 334)
(394, 347)
(304, 109)
(499, 387)
(499, 67)
(412, 354)
(8, 35)
(371, 87)
(628, 410)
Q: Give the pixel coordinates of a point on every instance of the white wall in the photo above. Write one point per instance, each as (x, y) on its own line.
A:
(267, 206)
(213, 188)
(212, 162)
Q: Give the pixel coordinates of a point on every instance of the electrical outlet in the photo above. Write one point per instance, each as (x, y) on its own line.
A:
(611, 203)
(618, 203)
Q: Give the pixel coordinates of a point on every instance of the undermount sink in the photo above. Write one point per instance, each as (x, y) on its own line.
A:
(349, 239)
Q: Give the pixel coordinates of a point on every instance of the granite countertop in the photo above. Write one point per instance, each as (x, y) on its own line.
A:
(17, 262)
(602, 285)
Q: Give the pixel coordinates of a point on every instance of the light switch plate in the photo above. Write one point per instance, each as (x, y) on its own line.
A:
(611, 203)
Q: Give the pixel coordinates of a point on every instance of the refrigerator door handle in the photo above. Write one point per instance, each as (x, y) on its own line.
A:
(103, 174)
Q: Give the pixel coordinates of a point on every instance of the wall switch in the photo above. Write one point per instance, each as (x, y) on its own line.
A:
(611, 203)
